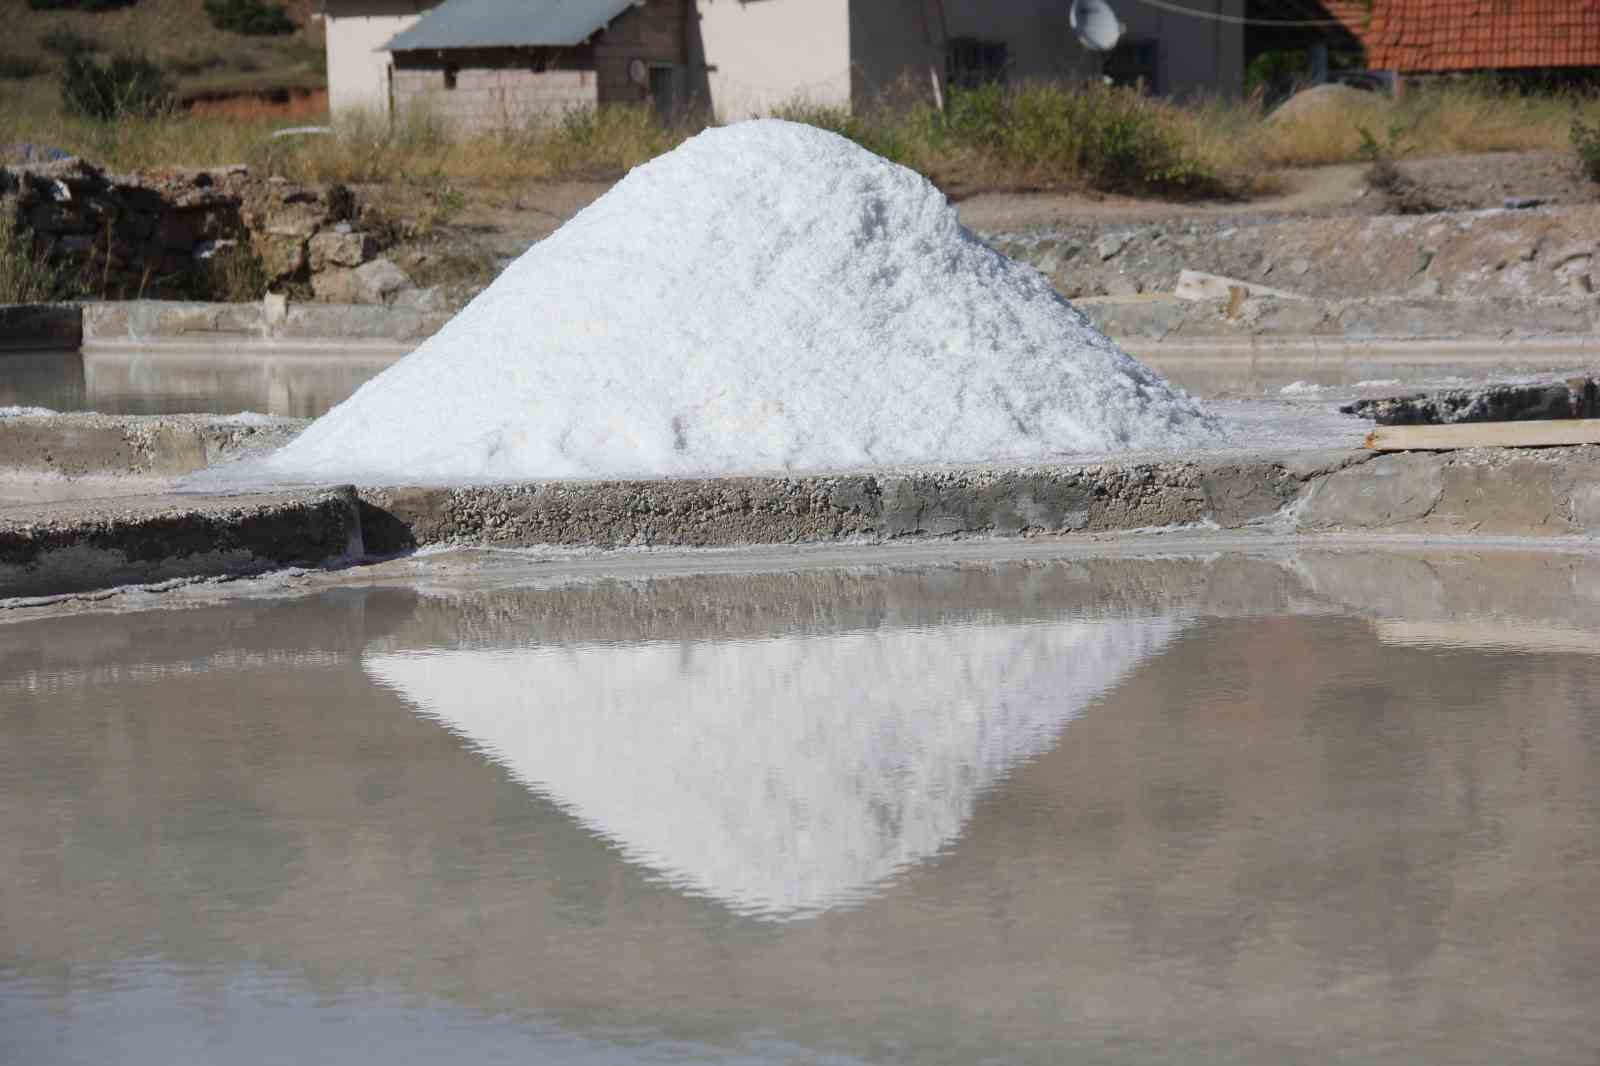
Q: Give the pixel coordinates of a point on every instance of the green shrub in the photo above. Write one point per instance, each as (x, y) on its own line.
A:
(1586, 143)
(255, 18)
(125, 86)
(1108, 138)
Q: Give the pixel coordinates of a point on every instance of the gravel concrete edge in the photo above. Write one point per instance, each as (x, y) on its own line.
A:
(75, 546)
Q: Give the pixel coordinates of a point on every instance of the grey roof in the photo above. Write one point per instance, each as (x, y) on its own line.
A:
(508, 24)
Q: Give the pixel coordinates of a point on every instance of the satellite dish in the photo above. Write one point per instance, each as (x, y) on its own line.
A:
(1095, 24)
(638, 73)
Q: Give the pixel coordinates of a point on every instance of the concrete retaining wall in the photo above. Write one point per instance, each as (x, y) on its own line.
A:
(725, 512)
(1505, 492)
(1524, 493)
(72, 547)
(301, 325)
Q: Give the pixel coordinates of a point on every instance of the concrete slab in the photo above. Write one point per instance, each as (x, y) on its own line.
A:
(79, 545)
(1517, 492)
(80, 445)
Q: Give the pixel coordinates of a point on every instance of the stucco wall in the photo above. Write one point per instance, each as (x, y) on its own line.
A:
(358, 74)
(895, 46)
(1037, 34)
(899, 40)
(770, 52)
(1197, 56)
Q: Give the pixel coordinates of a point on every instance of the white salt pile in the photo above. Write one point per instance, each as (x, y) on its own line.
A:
(768, 297)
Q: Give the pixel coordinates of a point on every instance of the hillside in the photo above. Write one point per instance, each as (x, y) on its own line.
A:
(202, 60)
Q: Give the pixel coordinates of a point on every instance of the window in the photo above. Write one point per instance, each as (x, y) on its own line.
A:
(1132, 64)
(970, 62)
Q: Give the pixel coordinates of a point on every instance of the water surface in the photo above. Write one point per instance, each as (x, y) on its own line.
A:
(1324, 807)
(179, 380)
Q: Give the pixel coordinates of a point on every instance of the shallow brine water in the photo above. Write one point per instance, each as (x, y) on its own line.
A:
(1321, 807)
(186, 380)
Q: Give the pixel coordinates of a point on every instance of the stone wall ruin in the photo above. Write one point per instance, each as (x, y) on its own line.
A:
(217, 233)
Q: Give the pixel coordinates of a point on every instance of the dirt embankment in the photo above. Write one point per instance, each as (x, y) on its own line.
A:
(1520, 254)
(1445, 230)
(1522, 226)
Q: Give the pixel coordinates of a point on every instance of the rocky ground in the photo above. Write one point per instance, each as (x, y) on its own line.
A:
(1523, 226)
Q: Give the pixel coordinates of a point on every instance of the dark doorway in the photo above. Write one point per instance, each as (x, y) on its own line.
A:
(664, 92)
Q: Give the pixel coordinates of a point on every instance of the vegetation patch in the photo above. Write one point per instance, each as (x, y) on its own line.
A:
(27, 275)
(254, 18)
(124, 86)
(1586, 143)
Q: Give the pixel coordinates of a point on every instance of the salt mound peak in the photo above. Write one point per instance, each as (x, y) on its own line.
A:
(767, 297)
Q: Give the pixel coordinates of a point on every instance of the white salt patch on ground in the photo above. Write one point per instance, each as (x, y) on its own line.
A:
(25, 412)
(768, 297)
(250, 418)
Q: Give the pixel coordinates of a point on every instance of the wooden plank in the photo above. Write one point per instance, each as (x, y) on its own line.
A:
(1534, 434)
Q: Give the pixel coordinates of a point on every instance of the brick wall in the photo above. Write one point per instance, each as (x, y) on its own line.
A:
(486, 98)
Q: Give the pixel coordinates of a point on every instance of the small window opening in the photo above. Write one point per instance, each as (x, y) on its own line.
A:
(1132, 64)
(970, 62)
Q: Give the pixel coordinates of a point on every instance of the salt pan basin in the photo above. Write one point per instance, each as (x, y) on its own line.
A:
(1155, 803)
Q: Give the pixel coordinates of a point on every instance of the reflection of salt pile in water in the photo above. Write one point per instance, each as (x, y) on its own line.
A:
(769, 296)
(783, 776)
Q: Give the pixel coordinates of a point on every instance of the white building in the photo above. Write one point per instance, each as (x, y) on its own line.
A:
(506, 59)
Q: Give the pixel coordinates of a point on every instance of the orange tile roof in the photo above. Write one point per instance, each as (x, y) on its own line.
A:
(1458, 35)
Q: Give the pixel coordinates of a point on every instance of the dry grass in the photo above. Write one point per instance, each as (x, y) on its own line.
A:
(1468, 115)
(26, 273)
(1033, 137)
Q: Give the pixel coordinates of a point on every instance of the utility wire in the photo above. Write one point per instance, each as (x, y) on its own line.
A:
(1240, 20)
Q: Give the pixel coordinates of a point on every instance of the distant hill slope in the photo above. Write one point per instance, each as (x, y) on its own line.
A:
(177, 34)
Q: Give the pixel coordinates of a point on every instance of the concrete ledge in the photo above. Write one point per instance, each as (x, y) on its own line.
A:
(145, 322)
(1502, 492)
(72, 547)
(725, 512)
(40, 327)
(1543, 493)
(81, 445)
(1520, 492)
(1412, 319)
